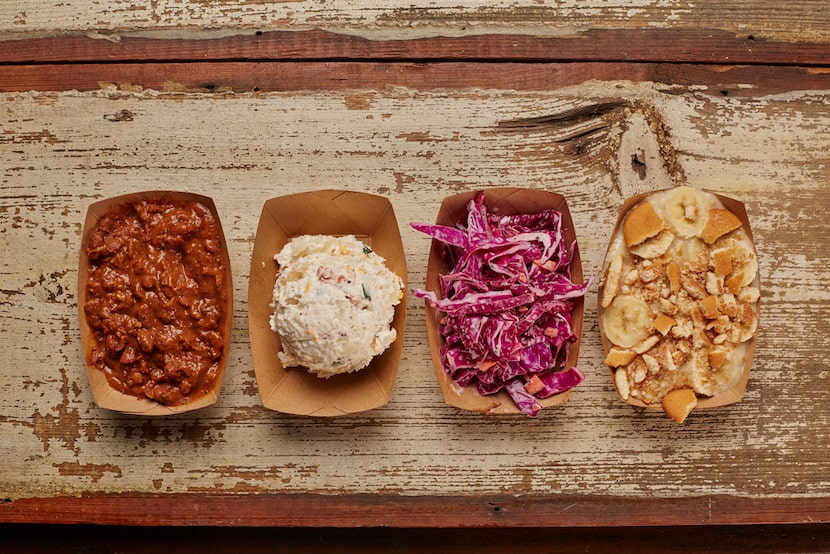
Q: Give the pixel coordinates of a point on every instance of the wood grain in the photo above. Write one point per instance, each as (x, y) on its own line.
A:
(798, 21)
(412, 512)
(693, 45)
(763, 460)
(256, 77)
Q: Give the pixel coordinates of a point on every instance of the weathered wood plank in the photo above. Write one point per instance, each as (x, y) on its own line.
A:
(406, 511)
(227, 77)
(804, 20)
(695, 45)
(61, 151)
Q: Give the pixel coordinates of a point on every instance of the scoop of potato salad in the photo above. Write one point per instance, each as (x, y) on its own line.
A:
(334, 300)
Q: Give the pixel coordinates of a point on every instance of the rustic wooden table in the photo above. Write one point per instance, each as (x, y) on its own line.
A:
(245, 101)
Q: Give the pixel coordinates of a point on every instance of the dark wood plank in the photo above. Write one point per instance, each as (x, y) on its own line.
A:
(54, 539)
(309, 510)
(625, 44)
(219, 77)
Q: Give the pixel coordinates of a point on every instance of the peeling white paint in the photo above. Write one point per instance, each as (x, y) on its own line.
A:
(404, 19)
(58, 153)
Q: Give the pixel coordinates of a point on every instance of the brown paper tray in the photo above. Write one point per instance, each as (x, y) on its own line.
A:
(369, 218)
(505, 201)
(105, 396)
(736, 392)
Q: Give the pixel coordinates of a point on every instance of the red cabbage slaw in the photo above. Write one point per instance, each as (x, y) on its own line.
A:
(507, 303)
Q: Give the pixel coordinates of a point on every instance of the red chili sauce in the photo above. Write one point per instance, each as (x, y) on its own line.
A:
(156, 299)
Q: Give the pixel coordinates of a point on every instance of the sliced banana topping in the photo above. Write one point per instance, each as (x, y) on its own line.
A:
(707, 380)
(687, 210)
(743, 263)
(679, 302)
(627, 321)
(611, 284)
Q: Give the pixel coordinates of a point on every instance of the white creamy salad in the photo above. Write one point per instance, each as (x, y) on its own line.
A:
(334, 301)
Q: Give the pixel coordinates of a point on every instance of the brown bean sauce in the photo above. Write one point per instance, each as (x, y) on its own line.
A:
(155, 299)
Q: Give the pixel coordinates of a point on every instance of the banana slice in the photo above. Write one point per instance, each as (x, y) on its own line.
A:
(687, 210)
(744, 263)
(627, 321)
(742, 277)
(612, 281)
(707, 380)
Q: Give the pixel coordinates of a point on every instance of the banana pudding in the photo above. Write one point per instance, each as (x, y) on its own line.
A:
(678, 300)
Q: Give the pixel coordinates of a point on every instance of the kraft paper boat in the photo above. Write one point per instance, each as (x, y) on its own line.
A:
(736, 391)
(106, 396)
(371, 219)
(504, 201)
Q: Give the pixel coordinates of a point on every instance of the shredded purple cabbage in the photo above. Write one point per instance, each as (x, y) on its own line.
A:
(507, 303)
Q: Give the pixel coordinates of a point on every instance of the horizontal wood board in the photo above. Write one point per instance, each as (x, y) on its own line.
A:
(798, 21)
(61, 151)
(629, 44)
(88, 539)
(255, 77)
